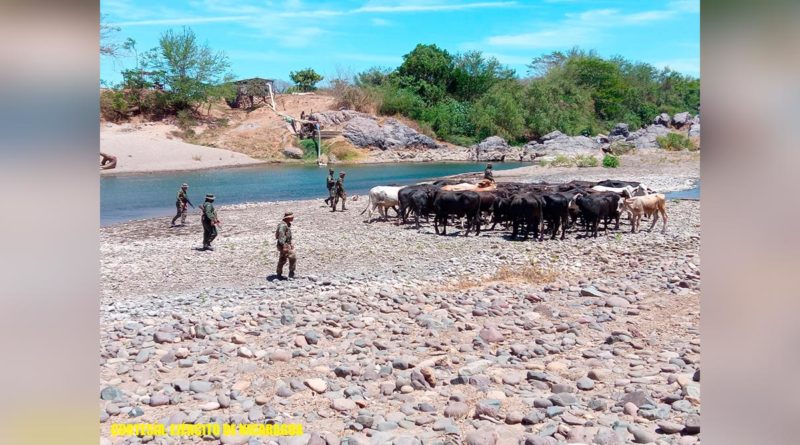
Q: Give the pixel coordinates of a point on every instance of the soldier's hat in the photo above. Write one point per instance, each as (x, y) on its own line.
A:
(288, 215)
(341, 173)
(330, 170)
(184, 185)
(489, 164)
(210, 196)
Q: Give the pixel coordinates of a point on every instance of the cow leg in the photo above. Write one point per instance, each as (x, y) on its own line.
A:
(416, 218)
(616, 227)
(515, 229)
(664, 217)
(436, 224)
(564, 221)
(655, 219)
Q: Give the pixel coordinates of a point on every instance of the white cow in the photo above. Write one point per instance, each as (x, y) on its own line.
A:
(382, 197)
(627, 191)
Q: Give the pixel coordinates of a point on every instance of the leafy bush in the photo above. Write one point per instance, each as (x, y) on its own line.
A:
(309, 148)
(586, 161)
(401, 101)
(610, 161)
(675, 142)
(113, 106)
(186, 120)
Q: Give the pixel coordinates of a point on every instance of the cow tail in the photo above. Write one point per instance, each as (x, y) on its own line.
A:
(369, 201)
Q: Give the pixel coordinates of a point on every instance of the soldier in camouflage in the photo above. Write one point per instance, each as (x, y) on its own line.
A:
(180, 204)
(210, 222)
(330, 182)
(339, 193)
(283, 235)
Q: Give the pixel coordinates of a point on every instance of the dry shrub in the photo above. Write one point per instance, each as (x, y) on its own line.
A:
(344, 151)
(532, 273)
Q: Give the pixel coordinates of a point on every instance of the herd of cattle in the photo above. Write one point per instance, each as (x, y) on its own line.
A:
(536, 208)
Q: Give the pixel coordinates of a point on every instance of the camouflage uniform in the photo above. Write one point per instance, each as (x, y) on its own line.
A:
(283, 234)
(210, 221)
(180, 204)
(488, 173)
(330, 182)
(339, 193)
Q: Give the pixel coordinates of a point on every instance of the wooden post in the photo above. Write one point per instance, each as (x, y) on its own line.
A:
(271, 98)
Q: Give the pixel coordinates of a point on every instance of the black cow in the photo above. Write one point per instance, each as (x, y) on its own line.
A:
(404, 197)
(501, 210)
(459, 204)
(526, 210)
(618, 184)
(421, 204)
(556, 213)
(582, 184)
(595, 207)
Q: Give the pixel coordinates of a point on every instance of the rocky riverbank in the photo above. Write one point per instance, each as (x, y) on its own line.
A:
(391, 335)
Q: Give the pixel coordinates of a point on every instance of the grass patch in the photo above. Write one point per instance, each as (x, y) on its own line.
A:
(532, 273)
(562, 161)
(185, 120)
(584, 161)
(610, 161)
(619, 148)
(675, 142)
(343, 151)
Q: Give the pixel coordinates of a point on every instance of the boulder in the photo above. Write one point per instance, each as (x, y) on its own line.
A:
(366, 132)
(681, 119)
(645, 138)
(495, 148)
(621, 129)
(557, 143)
(333, 118)
(694, 130)
(662, 119)
(293, 153)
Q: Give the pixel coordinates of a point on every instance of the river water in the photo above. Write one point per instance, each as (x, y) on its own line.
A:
(140, 196)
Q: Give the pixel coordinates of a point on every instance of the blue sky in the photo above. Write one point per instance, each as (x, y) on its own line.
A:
(271, 38)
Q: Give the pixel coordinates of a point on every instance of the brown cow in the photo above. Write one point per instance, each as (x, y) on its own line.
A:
(649, 205)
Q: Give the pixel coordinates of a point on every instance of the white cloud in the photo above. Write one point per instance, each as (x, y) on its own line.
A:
(180, 21)
(685, 65)
(587, 27)
(380, 22)
(427, 6)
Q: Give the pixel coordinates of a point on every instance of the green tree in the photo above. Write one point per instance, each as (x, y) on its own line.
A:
(187, 69)
(305, 79)
(373, 77)
(499, 112)
(473, 75)
(427, 70)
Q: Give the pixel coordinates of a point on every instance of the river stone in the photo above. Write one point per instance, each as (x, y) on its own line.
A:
(669, 427)
(111, 393)
(159, 399)
(200, 386)
(640, 435)
(456, 410)
(474, 368)
(585, 383)
(692, 424)
(293, 152)
(343, 405)
(491, 334)
(317, 385)
(616, 302)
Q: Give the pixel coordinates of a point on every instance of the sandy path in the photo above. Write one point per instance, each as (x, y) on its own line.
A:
(150, 148)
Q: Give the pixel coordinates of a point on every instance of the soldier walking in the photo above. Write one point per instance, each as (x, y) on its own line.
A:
(180, 204)
(330, 182)
(283, 235)
(210, 222)
(339, 193)
(488, 173)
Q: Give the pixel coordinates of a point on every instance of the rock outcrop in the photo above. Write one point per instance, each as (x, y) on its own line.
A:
(681, 119)
(495, 149)
(645, 138)
(557, 143)
(293, 153)
(393, 134)
(662, 119)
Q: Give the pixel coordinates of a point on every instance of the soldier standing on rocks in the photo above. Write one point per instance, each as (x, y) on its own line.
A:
(330, 182)
(488, 173)
(210, 222)
(285, 247)
(338, 192)
(180, 204)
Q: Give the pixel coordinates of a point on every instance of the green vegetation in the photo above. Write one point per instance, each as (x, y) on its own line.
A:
(306, 79)
(610, 161)
(562, 161)
(586, 161)
(467, 97)
(675, 142)
(621, 148)
(179, 75)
